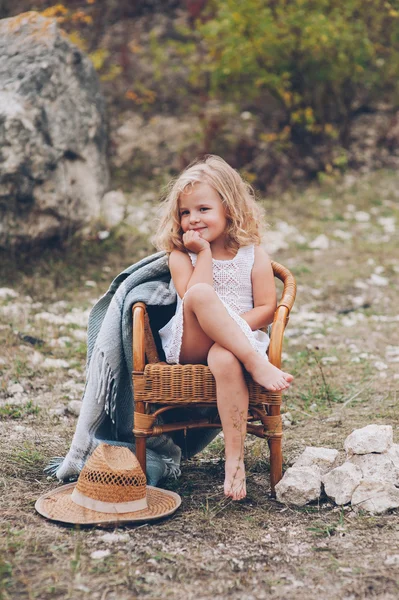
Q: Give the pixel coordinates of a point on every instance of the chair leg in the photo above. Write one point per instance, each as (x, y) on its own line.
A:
(140, 440)
(140, 452)
(276, 462)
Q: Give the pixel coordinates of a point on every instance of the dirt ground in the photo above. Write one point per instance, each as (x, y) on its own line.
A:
(342, 344)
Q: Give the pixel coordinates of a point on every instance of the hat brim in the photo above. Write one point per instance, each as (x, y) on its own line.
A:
(57, 505)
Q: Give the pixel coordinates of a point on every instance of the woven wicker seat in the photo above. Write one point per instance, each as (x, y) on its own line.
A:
(160, 387)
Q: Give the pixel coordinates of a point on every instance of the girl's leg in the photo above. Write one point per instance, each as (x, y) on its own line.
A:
(232, 401)
(206, 321)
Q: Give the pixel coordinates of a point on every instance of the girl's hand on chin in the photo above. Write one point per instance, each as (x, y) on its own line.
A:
(193, 241)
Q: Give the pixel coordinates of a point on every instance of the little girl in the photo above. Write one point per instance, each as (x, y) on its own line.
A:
(225, 294)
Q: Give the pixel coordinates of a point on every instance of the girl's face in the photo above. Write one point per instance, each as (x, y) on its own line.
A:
(201, 209)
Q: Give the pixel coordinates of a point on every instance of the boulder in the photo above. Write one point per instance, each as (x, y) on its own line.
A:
(53, 168)
(372, 438)
(375, 497)
(323, 458)
(299, 486)
(378, 467)
(341, 482)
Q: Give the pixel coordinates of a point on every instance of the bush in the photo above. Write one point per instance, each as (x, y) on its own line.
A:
(321, 61)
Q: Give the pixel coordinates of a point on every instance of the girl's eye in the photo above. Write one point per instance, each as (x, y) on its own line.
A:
(204, 208)
(185, 212)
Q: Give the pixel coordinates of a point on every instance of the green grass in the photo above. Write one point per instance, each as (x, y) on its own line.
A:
(14, 411)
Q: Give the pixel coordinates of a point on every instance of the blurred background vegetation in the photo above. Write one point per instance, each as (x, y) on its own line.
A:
(285, 90)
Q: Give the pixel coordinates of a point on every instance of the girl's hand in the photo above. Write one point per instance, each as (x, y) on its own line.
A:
(193, 241)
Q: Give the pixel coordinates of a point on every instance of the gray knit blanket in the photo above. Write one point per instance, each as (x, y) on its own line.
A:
(108, 399)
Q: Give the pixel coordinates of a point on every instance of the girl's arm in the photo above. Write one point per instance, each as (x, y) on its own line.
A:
(264, 292)
(183, 273)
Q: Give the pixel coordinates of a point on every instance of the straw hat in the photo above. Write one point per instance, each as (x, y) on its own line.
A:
(111, 489)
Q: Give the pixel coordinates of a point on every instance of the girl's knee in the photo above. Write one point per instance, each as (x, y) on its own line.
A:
(221, 360)
(199, 292)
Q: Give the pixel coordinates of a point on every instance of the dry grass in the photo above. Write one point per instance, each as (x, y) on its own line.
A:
(212, 547)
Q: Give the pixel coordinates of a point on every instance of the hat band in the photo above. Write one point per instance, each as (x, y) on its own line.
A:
(108, 507)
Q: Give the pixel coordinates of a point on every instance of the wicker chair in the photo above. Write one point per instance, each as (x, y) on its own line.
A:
(160, 387)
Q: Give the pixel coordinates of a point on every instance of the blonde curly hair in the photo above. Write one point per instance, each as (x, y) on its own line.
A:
(244, 215)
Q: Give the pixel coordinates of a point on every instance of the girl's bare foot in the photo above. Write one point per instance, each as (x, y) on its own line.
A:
(267, 375)
(234, 483)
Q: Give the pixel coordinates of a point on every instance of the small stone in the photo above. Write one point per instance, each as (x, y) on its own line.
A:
(99, 554)
(361, 216)
(111, 538)
(329, 359)
(15, 388)
(372, 438)
(55, 363)
(378, 280)
(323, 458)
(320, 243)
(299, 486)
(8, 293)
(287, 419)
(74, 407)
(35, 358)
(341, 482)
(375, 497)
(392, 560)
(380, 366)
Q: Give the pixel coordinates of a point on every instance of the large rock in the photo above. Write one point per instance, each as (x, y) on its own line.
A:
(375, 496)
(323, 458)
(53, 169)
(372, 438)
(340, 483)
(299, 486)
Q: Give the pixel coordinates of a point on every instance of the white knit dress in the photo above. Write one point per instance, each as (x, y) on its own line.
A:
(232, 283)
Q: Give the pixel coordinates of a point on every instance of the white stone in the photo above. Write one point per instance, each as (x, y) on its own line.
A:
(113, 537)
(372, 438)
(375, 496)
(15, 388)
(287, 419)
(392, 560)
(343, 235)
(299, 486)
(55, 363)
(8, 293)
(320, 243)
(380, 366)
(323, 458)
(340, 483)
(98, 554)
(329, 359)
(376, 467)
(388, 224)
(378, 280)
(35, 358)
(361, 216)
(74, 407)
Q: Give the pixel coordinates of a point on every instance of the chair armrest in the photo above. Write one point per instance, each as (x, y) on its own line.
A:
(281, 315)
(138, 312)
